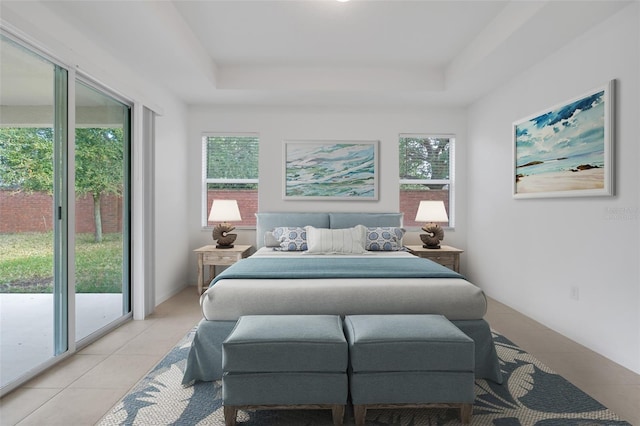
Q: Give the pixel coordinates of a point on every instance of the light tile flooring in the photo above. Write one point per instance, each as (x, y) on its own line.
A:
(84, 388)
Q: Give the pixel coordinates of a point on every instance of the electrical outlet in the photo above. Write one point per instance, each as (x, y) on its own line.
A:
(575, 293)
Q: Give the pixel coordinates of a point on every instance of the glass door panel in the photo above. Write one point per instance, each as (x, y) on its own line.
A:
(102, 210)
(32, 275)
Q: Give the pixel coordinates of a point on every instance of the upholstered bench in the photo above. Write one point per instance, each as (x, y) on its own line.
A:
(409, 361)
(285, 361)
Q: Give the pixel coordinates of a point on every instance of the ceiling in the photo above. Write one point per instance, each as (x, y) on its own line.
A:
(357, 53)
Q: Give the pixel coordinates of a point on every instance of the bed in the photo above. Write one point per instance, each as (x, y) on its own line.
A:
(286, 276)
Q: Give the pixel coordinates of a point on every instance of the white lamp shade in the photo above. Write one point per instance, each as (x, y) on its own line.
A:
(432, 211)
(224, 211)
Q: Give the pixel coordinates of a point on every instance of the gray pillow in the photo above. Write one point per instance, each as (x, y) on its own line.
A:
(270, 240)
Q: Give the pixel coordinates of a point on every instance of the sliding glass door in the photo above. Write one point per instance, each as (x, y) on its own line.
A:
(64, 211)
(102, 210)
(32, 286)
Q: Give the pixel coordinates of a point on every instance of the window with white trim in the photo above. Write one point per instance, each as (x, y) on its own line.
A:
(230, 172)
(426, 173)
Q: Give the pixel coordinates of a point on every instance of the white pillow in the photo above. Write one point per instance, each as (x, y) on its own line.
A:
(336, 241)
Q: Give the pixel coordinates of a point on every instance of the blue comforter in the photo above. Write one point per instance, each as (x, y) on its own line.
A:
(335, 267)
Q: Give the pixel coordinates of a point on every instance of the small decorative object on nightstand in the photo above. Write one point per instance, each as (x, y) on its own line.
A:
(446, 255)
(224, 211)
(213, 256)
(432, 211)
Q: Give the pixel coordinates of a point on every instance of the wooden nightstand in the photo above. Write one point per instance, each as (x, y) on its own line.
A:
(446, 255)
(212, 256)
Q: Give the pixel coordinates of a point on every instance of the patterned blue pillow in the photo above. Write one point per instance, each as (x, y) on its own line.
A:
(291, 238)
(386, 238)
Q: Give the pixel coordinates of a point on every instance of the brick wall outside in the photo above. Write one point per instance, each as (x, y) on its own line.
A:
(110, 209)
(23, 212)
(20, 212)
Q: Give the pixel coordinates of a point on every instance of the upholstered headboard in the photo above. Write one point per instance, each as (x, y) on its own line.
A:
(268, 221)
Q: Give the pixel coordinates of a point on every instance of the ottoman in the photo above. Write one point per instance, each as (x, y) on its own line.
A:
(285, 361)
(409, 361)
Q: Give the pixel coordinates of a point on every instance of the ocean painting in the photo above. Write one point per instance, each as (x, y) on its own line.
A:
(331, 170)
(565, 151)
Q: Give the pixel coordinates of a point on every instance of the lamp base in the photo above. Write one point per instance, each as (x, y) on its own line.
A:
(221, 234)
(434, 235)
(431, 247)
(218, 246)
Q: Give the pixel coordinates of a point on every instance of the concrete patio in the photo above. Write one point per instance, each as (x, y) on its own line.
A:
(26, 327)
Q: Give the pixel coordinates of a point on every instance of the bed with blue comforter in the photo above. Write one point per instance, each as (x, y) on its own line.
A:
(272, 281)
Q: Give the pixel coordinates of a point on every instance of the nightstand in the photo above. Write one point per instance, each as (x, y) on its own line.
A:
(212, 256)
(446, 255)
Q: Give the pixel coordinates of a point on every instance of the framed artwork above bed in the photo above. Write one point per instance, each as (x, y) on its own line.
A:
(566, 150)
(330, 170)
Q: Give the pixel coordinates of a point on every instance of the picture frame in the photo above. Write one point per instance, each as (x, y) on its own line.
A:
(566, 150)
(330, 170)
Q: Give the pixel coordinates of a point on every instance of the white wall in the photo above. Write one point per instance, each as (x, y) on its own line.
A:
(171, 201)
(529, 253)
(274, 125)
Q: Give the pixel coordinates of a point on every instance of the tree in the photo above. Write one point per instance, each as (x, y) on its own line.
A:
(26, 159)
(232, 157)
(424, 158)
(26, 163)
(99, 167)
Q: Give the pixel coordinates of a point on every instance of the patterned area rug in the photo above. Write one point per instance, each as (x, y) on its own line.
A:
(532, 394)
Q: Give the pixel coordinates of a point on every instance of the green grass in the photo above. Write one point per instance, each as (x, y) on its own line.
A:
(26, 263)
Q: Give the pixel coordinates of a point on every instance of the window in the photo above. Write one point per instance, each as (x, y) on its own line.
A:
(230, 172)
(426, 173)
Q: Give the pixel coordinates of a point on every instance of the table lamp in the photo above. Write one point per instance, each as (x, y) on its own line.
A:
(430, 212)
(224, 211)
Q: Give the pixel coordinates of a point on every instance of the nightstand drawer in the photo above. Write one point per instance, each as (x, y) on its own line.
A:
(220, 258)
(443, 259)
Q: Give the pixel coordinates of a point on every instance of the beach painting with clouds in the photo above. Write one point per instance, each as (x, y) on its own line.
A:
(330, 170)
(566, 150)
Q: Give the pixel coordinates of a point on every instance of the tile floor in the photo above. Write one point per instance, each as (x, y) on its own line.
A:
(85, 387)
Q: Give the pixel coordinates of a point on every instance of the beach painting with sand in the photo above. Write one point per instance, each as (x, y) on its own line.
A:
(566, 150)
